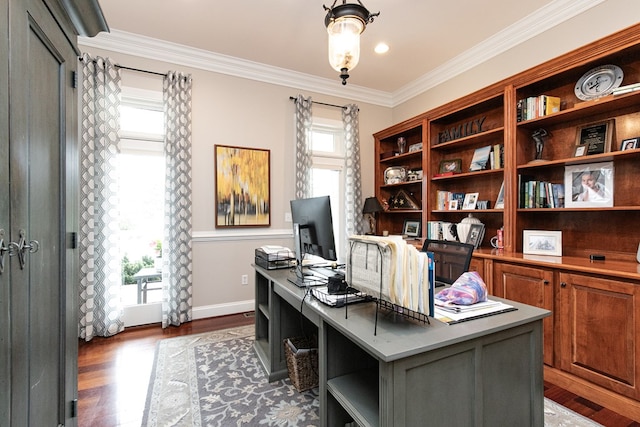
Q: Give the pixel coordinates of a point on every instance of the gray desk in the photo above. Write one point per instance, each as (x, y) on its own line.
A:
(485, 372)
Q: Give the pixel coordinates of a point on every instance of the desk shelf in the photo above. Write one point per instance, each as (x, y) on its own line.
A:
(357, 393)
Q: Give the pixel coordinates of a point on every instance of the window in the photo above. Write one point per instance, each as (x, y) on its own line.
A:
(141, 189)
(327, 170)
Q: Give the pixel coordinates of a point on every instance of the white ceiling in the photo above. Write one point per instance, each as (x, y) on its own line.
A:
(424, 35)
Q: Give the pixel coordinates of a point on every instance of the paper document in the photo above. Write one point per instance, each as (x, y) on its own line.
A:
(491, 308)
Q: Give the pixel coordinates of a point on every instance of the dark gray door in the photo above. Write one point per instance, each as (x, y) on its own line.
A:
(41, 120)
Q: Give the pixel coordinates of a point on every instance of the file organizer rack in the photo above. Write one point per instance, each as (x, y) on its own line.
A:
(381, 301)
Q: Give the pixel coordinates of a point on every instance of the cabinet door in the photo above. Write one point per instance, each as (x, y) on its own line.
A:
(599, 324)
(42, 123)
(528, 285)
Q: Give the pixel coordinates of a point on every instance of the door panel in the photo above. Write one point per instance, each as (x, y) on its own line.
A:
(39, 78)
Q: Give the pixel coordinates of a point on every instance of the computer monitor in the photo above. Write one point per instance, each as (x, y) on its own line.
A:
(313, 229)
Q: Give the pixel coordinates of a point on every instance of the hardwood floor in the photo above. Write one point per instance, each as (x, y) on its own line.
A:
(113, 376)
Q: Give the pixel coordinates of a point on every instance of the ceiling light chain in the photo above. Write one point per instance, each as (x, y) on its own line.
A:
(345, 23)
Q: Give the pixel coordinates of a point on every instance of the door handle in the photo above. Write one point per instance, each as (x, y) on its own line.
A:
(3, 249)
(22, 246)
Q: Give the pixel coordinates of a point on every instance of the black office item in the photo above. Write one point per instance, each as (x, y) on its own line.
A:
(451, 258)
(312, 234)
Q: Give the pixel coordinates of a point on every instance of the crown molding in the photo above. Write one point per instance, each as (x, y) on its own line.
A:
(548, 16)
(160, 50)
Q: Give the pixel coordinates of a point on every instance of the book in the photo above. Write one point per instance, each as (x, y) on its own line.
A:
(480, 158)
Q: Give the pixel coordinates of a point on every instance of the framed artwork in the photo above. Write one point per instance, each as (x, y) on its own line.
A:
(589, 185)
(411, 228)
(453, 205)
(542, 242)
(242, 187)
(596, 137)
(470, 200)
(629, 144)
(451, 166)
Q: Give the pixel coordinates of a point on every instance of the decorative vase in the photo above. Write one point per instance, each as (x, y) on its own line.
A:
(402, 145)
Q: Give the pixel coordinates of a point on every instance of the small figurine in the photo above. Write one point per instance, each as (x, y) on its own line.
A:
(538, 136)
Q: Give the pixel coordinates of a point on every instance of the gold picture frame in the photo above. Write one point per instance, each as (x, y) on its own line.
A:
(242, 187)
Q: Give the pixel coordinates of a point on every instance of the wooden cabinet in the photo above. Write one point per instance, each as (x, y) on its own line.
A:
(582, 222)
(393, 195)
(39, 208)
(599, 328)
(492, 116)
(455, 136)
(529, 285)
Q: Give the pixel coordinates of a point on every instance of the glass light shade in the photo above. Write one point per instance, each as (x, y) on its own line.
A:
(344, 42)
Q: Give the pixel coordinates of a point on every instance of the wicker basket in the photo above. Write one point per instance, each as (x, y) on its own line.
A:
(302, 362)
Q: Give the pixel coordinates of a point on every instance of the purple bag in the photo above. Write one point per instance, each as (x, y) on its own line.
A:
(468, 289)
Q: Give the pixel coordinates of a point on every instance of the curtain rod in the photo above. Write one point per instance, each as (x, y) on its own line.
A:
(140, 70)
(294, 99)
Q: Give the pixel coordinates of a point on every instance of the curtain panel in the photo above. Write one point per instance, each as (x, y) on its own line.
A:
(100, 264)
(303, 118)
(353, 180)
(176, 246)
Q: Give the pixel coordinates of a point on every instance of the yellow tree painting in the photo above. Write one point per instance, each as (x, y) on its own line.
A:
(242, 187)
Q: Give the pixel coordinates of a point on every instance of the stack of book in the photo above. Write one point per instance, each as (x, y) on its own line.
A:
(487, 157)
(540, 194)
(537, 106)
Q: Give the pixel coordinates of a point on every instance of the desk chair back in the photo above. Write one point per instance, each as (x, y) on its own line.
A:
(451, 258)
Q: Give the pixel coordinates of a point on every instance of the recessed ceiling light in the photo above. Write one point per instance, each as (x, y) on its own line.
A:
(381, 48)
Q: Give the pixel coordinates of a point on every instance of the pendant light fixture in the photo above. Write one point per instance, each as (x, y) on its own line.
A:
(345, 22)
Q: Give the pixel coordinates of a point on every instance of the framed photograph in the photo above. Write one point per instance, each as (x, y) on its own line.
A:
(242, 187)
(475, 235)
(542, 242)
(580, 151)
(453, 205)
(629, 144)
(411, 228)
(500, 200)
(415, 147)
(596, 137)
(470, 200)
(454, 165)
(589, 185)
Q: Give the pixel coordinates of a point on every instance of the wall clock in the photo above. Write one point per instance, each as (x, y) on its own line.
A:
(599, 82)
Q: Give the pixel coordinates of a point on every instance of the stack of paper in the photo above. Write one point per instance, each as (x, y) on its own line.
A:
(453, 313)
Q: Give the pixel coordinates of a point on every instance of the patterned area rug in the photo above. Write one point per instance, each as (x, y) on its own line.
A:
(215, 379)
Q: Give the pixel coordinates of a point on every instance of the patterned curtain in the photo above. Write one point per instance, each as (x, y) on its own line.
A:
(100, 266)
(176, 245)
(303, 147)
(353, 181)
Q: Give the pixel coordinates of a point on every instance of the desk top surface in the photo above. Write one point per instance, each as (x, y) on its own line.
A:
(398, 337)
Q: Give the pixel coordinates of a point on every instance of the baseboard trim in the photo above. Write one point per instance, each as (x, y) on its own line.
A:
(223, 309)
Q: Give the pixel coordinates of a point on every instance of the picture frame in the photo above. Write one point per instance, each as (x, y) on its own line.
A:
(589, 185)
(542, 242)
(415, 147)
(453, 205)
(242, 187)
(475, 235)
(411, 228)
(630, 144)
(580, 151)
(470, 200)
(596, 137)
(450, 166)
(500, 199)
